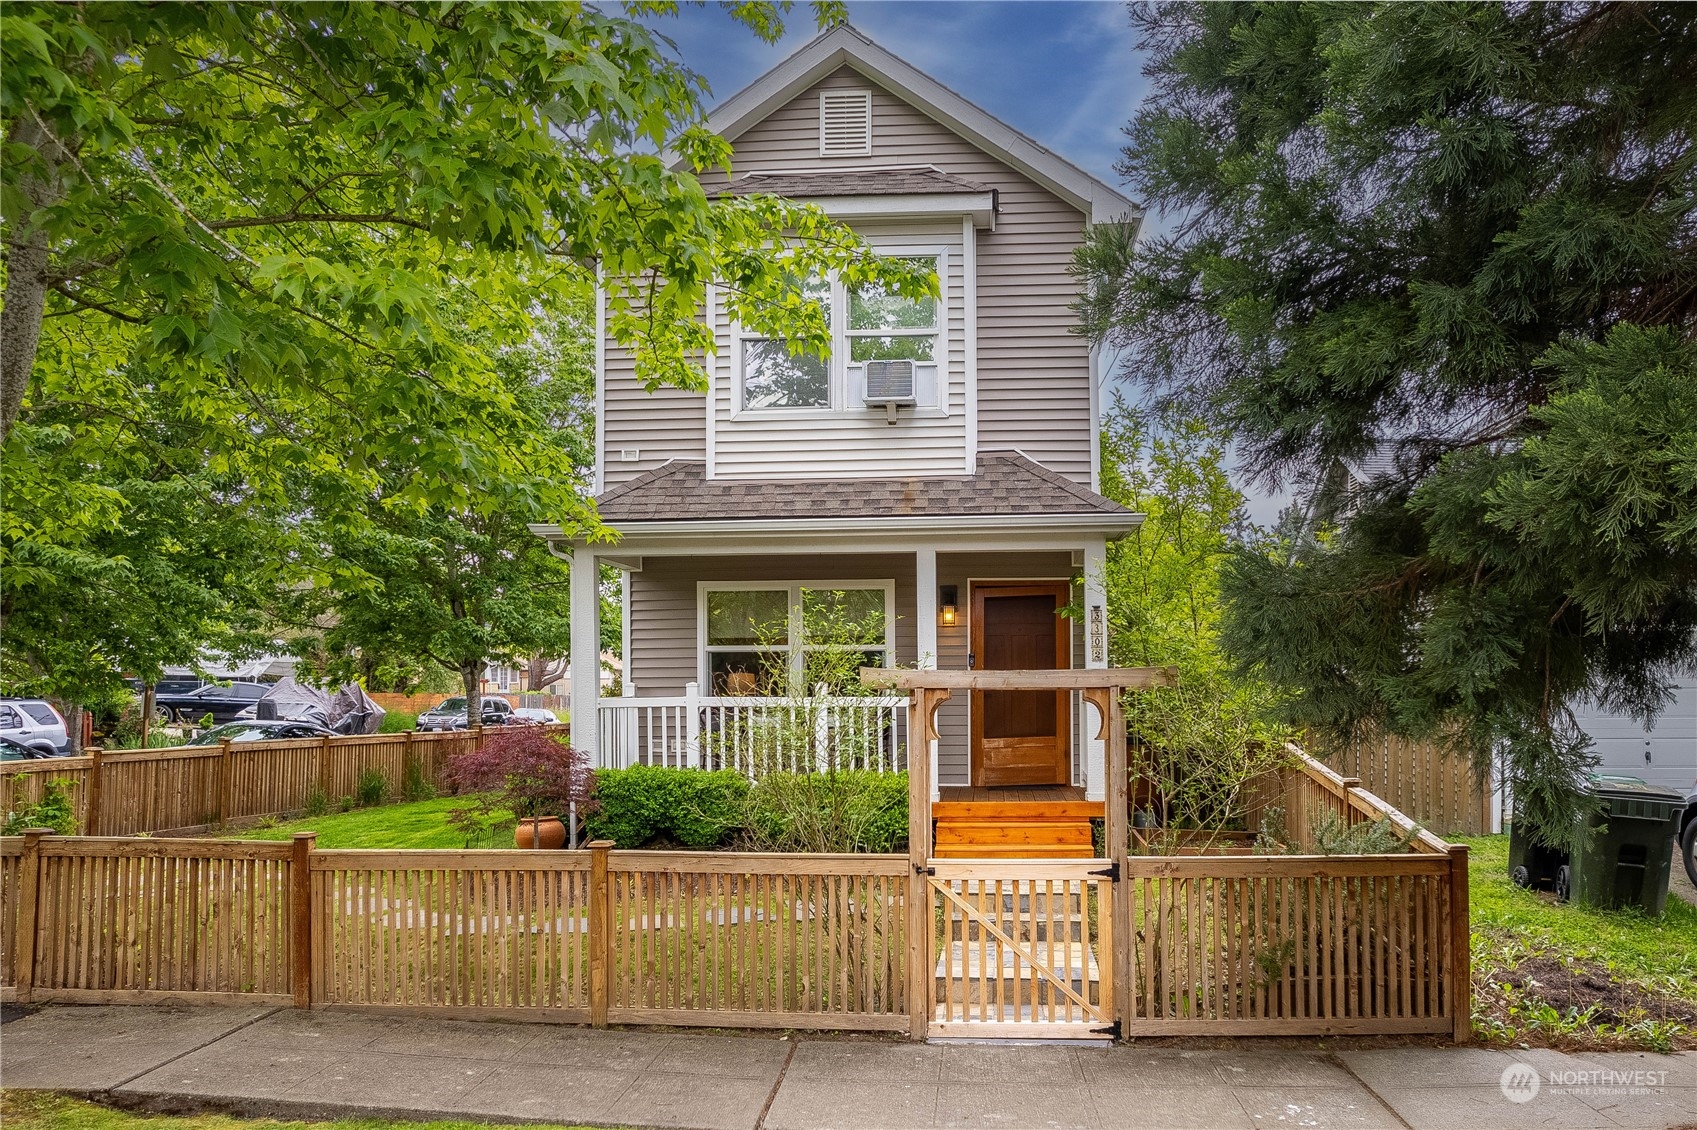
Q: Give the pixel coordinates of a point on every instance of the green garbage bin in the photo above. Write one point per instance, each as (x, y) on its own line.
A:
(1626, 860)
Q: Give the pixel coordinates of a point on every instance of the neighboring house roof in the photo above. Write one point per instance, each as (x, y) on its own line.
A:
(882, 181)
(1007, 484)
(844, 46)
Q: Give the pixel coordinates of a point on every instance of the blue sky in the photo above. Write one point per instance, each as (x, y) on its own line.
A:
(1066, 73)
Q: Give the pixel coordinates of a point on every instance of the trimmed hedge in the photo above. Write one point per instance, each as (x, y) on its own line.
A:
(834, 812)
(696, 808)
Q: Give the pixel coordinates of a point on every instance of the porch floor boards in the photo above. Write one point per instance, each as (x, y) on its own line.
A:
(1013, 822)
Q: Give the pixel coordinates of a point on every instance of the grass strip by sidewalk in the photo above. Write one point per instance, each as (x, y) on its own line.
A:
(44, 1110)
(1569, 975)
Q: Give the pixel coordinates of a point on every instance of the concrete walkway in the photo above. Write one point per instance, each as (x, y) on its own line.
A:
(338, 1064)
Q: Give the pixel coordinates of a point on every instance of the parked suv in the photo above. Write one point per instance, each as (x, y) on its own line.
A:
(450, 714)
(34, 724)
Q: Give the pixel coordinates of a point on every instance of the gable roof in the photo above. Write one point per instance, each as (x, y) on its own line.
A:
(1007, 484)
(845, 46)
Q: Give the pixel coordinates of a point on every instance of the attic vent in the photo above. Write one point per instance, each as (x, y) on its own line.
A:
(845, 123)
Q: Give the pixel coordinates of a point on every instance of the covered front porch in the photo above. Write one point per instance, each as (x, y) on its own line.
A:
(696, 690)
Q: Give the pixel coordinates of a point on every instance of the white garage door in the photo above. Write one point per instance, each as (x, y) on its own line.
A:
(1666, 754)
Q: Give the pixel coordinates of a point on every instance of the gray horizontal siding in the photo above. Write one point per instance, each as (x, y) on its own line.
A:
(663, 425)
(1033, 371)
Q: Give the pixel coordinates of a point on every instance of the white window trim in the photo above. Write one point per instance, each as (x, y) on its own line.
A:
(865, 95)
(703, 668)
(838, 365)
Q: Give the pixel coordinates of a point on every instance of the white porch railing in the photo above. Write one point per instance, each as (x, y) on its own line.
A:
(753, 735)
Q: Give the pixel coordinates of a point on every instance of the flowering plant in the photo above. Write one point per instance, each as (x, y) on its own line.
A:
(527, 771)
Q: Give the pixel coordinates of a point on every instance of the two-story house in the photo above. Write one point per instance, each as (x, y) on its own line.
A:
(936, 477)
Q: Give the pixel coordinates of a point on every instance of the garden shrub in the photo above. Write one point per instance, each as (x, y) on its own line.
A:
(373, 788)
(398, 722)
(698, 809)
(849, 811)
(54, 810)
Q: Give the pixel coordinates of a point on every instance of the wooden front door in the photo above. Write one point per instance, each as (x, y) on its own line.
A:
(1021, 737)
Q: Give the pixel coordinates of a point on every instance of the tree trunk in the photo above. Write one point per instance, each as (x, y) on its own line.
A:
(26, 274)
(542, 671)
(73, 727)
(470, 676)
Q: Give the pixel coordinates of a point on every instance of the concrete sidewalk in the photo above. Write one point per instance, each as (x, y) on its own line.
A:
(338, 1064)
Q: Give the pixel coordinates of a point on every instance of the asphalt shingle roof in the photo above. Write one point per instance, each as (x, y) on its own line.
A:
(1006, 483)
(854, 182)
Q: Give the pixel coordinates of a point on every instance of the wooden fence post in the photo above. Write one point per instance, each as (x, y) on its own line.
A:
(1114, 826)
(408, 771)
(147, 707)
(920, 977)
(324, 767)
(29, 912)
(223, 778)
(91, 814)
(600, 932)
(1461, 947)
(300, 916)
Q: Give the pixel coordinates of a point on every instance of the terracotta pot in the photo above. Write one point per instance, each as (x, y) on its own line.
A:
(549, 829)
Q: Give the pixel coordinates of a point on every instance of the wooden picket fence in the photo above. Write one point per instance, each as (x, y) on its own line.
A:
(1430, 783)
(184, 788)
(584, 936)
(1271, 945)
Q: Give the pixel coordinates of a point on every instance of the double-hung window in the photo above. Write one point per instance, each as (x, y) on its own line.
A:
(867, 324)
(777, 638)
(776, 374)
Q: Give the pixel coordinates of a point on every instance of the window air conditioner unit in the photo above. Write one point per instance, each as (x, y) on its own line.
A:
(889, 384)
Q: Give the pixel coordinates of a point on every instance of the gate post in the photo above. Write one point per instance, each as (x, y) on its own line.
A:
(921, 719)
(1118, 835)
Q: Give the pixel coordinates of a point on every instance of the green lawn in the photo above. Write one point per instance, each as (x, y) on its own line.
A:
(1526, 945)
(420, 824)
(42, 1110)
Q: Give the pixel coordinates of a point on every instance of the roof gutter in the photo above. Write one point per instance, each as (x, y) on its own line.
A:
(715, 529)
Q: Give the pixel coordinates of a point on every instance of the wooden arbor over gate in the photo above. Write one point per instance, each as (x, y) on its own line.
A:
(928, 690)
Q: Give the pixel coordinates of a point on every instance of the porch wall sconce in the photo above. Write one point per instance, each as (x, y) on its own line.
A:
(946, 601)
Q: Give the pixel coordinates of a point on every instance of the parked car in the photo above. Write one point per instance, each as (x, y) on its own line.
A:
(535, 716)
(260, 731)
(450, 714)
(171, 684)
(33, 722)
(1688, 835)
(223, 703)
(13, 751)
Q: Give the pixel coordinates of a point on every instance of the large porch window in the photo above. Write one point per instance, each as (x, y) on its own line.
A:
(779, 638)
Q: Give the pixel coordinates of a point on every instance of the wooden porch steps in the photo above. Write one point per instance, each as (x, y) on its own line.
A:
(978, 829)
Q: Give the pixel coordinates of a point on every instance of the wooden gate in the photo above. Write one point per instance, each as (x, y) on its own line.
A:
(1022, 950)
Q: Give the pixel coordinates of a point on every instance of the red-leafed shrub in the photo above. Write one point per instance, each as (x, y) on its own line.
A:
(527, 771)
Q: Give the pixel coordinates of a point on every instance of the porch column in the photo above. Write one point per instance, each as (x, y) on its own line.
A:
(586, 653)
(925, 611)
(1095, 655)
